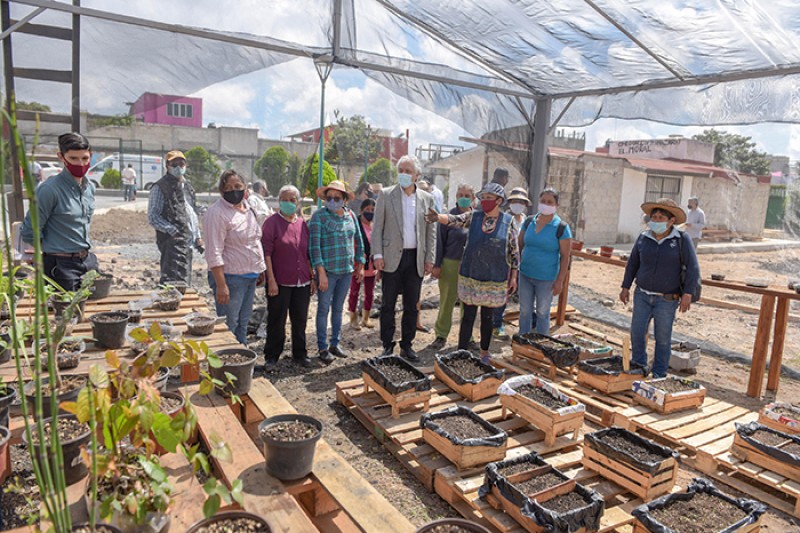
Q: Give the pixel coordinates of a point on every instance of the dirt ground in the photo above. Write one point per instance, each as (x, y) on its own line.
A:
(126, 248)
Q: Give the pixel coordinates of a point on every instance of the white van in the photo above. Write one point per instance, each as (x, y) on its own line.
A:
(149, 169)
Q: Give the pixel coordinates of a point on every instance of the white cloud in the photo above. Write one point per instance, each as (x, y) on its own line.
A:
(227, 102)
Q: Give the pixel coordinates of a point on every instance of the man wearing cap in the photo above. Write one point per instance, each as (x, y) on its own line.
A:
(65, 209)
(337, 254)
(657, 259)
(403, 248)
(171, 210)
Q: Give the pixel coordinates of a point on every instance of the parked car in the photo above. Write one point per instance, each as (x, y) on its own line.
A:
(49, 169)
(149, 169)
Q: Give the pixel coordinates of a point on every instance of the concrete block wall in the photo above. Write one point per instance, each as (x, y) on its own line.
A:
(738, 207)
(600, 199)
(565, 175)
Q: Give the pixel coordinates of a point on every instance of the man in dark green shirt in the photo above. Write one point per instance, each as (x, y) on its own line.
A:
(66, 205)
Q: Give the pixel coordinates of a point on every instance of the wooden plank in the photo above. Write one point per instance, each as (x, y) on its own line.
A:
(367, 507)
(778, 340)
(760, 346)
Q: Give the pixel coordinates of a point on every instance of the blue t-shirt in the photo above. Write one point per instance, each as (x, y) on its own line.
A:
(541, 255)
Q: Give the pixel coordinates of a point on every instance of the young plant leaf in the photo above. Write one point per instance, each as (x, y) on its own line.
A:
(98, 376)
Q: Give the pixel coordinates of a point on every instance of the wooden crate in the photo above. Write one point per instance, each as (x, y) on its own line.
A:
(525, 351)
(553, 424)
(747, 452)
(672, 401)
(464, 456)
(608, 383)
(643, 484)
(400, 401)
(471, 391)
(780, 423)
(498, 501)
(638, 527)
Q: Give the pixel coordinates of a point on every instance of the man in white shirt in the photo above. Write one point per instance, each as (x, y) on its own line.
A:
(128, 183)
(403, 249)
(257, 201)
(695, 221)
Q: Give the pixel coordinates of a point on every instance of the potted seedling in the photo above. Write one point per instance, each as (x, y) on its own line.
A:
(101, 287)
(237, 369)
(8, 393)
(108, 329)
(231, 521)
(289, 444)
(168, 298)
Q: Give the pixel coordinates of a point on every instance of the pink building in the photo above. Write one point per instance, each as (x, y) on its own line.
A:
(169, 109)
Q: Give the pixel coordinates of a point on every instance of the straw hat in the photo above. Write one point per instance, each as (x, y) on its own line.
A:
(336, 185)
(667, 204)
(519, 193)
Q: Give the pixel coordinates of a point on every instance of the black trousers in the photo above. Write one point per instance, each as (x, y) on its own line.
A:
(291, 301)
(176, 257)
(407, 282)
(67, 271)
(468, 322)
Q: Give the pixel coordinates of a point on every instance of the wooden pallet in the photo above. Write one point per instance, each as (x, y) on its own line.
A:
(747, 452)
(749, 528)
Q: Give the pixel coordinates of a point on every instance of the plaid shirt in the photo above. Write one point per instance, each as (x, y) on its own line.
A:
(332, 242)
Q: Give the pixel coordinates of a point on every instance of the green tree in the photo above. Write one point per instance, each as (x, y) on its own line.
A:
(33, 106)
(273, 168)
(309, 175)
(349, 142)
(112, 179)
(202, 169)
(736, 152)
(381, 171)
(293, 169)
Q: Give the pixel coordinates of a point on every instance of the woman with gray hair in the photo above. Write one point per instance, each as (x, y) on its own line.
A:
(290, 285)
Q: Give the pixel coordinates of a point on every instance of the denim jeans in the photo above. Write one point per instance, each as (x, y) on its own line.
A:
(331, 300)
(240, 304)
(542, 292)
(662, 313)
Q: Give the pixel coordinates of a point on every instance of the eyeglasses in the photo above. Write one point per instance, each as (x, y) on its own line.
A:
(333, 198)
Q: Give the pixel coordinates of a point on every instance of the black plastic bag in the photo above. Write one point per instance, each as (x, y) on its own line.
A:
(746, 431)
(596, 442)
(373, 368)
(493, 477)
(571, 521)
(753, 508)
(489, 370)
(565, 355)
(498, 436)
(593, 366)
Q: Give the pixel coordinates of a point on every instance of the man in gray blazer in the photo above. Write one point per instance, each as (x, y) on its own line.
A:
(403, 249)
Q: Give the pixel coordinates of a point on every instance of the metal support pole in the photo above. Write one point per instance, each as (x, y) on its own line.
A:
(538, 170)
(324, 65)
(16, 209)
(76, 69)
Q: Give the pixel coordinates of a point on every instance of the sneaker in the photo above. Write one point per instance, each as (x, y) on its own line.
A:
(335, 350)
(325, 357)
(439, 343)
(500, 333)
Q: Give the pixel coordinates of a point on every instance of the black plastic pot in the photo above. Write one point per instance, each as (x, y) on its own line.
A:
(5, 404)
(74, 467)
(464, 525)
(101, 287)
(59, 306)
(5, 352)
(5, 470)
(134, 316)
(221, 517)
(100, 528)
(109, 334)
(161, 379)
(30, 397)
(242, 371)
(290, 460)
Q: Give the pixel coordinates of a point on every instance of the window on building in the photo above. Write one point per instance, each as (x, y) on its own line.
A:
(662, 187)
(179, 110)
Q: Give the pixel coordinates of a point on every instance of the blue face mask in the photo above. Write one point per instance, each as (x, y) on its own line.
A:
(657, 227)
(177, 171)
(404, 180)
(334, 205)
(288, 208)
(464, 203)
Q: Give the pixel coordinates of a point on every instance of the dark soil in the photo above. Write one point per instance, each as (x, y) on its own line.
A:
(170, 405)
(68, 383)
(450, 528)
(785, 411)
(704, 513)
(674, 385)
(541, 396)
(86, 529)
(68, 429)
(767, 437)
(290, 431)
(792, 448)
(581, 342)
(234, 525)
(462, 427)
(539, 483)
(510, 470)
(550, 344)
(70, 346)
(14, 506)
(109, 318)
(566, 502)
(609, 366)
(466, 368)
(396, 374)
(633, 449)
(235, 358)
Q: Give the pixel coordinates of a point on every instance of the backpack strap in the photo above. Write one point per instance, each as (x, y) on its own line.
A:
(562, 227)
(527, 223)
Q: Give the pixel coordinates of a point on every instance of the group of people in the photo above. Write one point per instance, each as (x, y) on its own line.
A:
(489, 246)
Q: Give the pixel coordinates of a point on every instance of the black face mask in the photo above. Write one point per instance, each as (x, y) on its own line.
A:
(368, 216)
(233, 197)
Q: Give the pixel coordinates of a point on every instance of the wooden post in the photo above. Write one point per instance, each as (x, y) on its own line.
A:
(778, 339)
(561, 314)
(760, 346)
(626, 354)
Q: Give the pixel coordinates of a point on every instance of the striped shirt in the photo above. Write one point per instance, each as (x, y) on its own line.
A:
(233, 239)
(332, 242)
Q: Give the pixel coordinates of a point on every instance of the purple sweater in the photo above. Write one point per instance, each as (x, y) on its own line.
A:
(287, 244)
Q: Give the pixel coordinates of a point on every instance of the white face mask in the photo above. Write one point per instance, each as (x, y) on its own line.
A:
(547, 209)
(517, 209)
